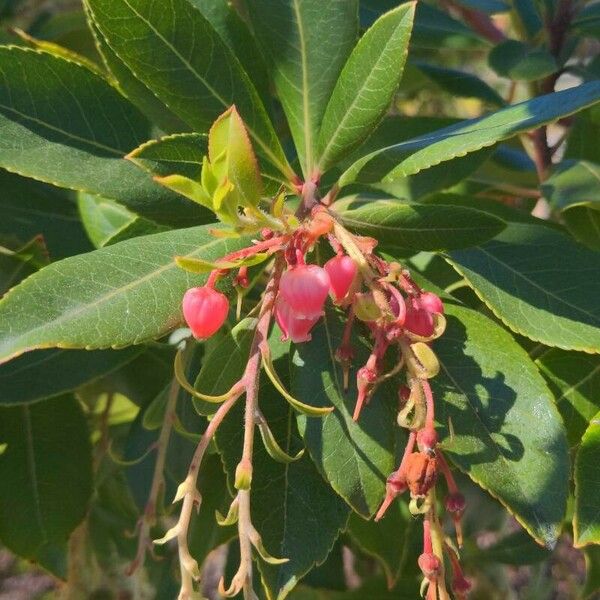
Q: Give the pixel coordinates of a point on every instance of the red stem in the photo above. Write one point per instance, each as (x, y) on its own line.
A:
(450, 481)
(429, 420)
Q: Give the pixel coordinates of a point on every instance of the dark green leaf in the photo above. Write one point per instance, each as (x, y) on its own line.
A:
(582, 143)
(520, 62)
(393, 541)
(573, 188)
(366, 86)
(31, 208)
(539, 283)
(167, 51)
(460, 83)
(586, 520)
(307, 43)
(77, 140)
(488, 391)
(574, 377)
(587, 20)
(592, 571)
(46, 472)
(354, 457)
(396, 224)
(295, 511)
(16, 265)
(123, 294)
(407, 158)
(38, 375)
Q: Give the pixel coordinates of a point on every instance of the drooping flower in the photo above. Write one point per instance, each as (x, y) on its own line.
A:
(205, 310)
(294, 326)
(305, 289)
(342, 271)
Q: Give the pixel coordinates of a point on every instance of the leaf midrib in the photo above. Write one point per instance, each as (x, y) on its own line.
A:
(265, 147)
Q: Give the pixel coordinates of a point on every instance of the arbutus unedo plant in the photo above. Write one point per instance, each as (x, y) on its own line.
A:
(400, 318)
(282, 320)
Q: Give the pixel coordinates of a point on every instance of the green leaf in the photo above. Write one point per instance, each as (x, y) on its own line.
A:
(77, 140)
(120, 295)
(573, 188)
(592, 571)
(366, 86)
(460, 83)
(293, 509)
(131, 87)
(396, 224)
(587, 21)
(582, 143)
(224, 17)
(167, 51)
(307, 43)
(393, 541)
(47, 373)
(31, 208)
(354, 457)
(586, 520)
(487, 392)
(539, 283)
(16, 265)
(574, 377)
(179, 154)
(46, 470)
(520, 62)
(407, 158)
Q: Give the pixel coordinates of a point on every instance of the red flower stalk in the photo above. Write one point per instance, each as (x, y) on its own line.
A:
(455, 501)
(204, 310)
(460, 584)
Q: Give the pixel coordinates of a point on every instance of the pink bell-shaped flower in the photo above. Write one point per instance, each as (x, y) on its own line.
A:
(204, 310)
(305, 289)
(293, 326)
(431, 302)
(419, 321)
(341, 270)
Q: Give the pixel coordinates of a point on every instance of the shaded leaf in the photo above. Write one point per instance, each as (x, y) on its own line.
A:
(520, 62)
(77, 140)
(573, 188)
(47, 373)
(539, 283)
(408, 158)
(488, 389)
(574, 377)
(514, 549)
(366, 86)
(306, 59)
(354, 457)
(586, 520)
(46, 470)
(126, 293)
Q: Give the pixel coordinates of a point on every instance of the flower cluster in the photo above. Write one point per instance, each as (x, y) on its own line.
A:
(402, 320)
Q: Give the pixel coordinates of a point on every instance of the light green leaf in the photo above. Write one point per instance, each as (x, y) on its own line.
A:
(488, 391)
(46, 470)
(574, 377)
(179, 56)
(539, 283)
(573, 188)
(293, 509)
(307, 43)
(179, 154)
(354, 457)
(586, 521)
(366, 86)
(47, 373)
(123, 294)
(407, 158)
(77, 140)
(396, 224)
